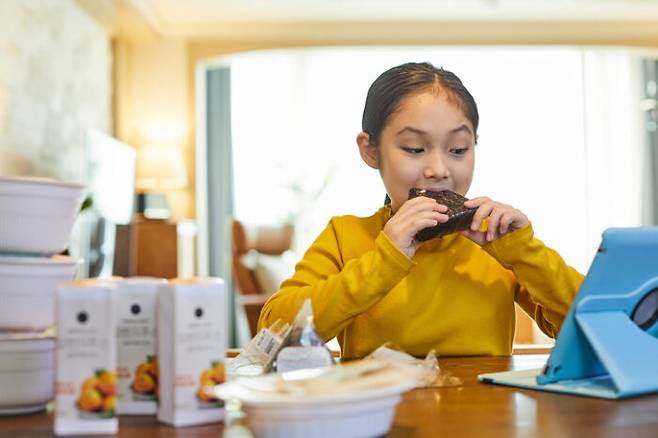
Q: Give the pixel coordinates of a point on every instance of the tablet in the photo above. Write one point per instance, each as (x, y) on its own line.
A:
(608, 344)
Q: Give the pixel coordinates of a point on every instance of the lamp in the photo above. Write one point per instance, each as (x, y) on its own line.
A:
(159, 168)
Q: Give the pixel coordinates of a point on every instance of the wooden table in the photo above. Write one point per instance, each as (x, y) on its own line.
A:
(470, 410)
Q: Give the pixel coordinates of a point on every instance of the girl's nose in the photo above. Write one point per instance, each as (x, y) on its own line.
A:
(436, 167)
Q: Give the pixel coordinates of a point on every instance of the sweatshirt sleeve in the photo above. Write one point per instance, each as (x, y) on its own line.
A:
(339, 290)
(546, 284)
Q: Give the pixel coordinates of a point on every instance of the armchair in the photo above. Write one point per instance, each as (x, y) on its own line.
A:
(252, 289)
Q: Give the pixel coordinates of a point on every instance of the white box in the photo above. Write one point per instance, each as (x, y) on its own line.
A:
(137, 364)
(192, 330)
(86, 359)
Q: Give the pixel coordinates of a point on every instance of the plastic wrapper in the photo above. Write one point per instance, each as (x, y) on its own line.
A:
(429, 373)
(349, 378)
(303, 348)
(257, 358)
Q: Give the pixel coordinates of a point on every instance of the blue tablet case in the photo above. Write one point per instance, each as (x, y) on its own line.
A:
(608, 344)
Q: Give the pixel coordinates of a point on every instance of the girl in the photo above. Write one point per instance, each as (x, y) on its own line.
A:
(370, 281)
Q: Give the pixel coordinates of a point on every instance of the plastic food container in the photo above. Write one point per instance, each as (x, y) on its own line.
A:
(362, 415)
(348, 401)
(37, 214)
(27, 290)
(27, 372)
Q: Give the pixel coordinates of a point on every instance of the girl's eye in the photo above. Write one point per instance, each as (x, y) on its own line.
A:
(413, 150)
(458, 151)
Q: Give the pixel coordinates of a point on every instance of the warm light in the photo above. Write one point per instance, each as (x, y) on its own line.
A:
(4, 116)
(160, 168)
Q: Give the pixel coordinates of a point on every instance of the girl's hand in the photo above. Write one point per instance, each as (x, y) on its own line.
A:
(503, 219)
(414, 215)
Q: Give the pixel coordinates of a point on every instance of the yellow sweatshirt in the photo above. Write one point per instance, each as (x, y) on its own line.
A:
(453, 296)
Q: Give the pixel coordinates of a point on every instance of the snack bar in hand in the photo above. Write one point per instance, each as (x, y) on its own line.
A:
(460, 216)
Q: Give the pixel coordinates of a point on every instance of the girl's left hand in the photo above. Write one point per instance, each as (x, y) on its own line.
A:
(503, 219)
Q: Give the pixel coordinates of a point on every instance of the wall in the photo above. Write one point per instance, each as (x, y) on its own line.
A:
(152, 104)
(575, 31)
(156, 86)
(55, 82)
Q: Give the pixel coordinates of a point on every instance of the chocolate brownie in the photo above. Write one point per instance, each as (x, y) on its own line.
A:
(460, 216)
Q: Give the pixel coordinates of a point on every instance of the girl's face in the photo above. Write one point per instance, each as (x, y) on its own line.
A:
(426, 143)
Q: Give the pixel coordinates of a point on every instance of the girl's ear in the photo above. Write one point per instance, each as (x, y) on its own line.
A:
(367, 150)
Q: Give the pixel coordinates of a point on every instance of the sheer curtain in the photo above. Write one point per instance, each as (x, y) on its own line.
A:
(615, 155)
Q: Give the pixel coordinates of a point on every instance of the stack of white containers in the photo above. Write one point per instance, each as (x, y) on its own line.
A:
(36, 218)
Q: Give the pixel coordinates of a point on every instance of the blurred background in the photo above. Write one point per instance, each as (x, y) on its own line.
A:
(217, 137)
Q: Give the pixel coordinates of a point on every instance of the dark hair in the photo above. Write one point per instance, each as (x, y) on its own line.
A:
(393, 85)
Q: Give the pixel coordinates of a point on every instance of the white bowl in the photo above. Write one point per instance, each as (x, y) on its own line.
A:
(37, 214)
(354, 411)
(27, 372)
(27, 290)
(368, 416)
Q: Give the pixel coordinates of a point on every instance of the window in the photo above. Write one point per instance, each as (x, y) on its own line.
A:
(559, 136)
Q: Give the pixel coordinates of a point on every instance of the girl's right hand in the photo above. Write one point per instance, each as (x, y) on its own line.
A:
(414, 215)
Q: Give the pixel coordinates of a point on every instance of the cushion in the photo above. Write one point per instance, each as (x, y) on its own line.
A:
(272, 270)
